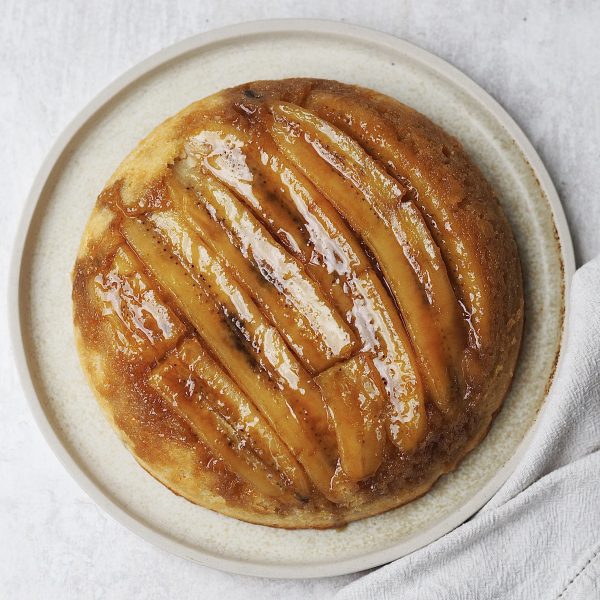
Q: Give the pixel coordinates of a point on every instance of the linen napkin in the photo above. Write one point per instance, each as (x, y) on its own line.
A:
(539, 536)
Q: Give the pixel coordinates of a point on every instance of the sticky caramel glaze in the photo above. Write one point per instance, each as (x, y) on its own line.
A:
(284, 307)
(219, 331)
(331, 254)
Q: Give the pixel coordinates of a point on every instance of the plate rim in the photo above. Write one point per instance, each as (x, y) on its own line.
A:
(16, 314)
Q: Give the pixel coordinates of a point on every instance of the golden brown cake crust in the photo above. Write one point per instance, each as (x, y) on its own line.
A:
(134, 335)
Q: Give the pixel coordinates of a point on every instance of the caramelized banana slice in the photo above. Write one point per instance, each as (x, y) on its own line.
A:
(186, 396)
(371, 202)
(431, 270)
(375, 318)
(332, 336)
(288, 313)
(355, 398)
(145, 327)
(381, 140)
(232, 404)
(220, 334)
(334, 248)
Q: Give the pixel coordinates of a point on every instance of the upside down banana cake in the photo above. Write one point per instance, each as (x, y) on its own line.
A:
(299, 303)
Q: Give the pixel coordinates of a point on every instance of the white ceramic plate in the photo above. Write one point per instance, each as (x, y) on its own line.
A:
(90, 149)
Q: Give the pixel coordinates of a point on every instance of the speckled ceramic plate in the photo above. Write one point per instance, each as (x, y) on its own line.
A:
(89, 151)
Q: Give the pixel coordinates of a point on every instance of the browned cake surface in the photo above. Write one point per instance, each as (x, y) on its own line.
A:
(299, 303)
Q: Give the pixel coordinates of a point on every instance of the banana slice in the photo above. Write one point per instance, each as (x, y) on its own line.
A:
(432, 274)
(220, 333)
(376, 319)
(372, 202)
(146, 327)
(355, 398)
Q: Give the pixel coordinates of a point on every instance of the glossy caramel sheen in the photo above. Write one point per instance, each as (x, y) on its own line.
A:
(299, 303)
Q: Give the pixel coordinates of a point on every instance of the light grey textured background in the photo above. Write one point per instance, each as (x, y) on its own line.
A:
(540, 59)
